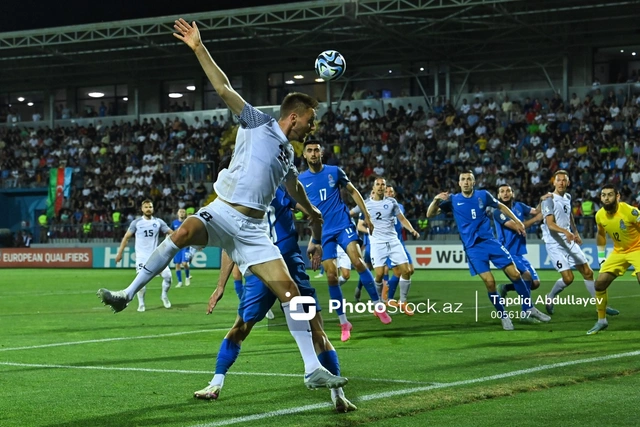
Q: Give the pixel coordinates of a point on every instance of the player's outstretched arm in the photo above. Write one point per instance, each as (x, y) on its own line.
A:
(226, 266)
(601, 242)
(518, 224)
(123, 244)
(357, 198)
(296, 191)
(407, 225)
(434, 208)
(190, 35)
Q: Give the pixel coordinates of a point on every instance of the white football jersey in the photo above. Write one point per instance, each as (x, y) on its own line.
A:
(263, 157)
(147, 233)
(560, 208)
(383, 215)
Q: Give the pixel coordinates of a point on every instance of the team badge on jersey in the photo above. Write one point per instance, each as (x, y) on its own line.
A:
(385, 206)
(622, 225)
(155, 225)
(480, 204)
(635, 212)
(332, 182)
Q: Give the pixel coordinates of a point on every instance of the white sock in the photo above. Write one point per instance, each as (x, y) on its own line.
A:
(557, 288)
(141, 293)
(166, 284)
(379, 287)
(341, 281)
(337, 392)
(591, 287)
(158, 260)
(218, 379)
(301, 332)
(404, 289)
(342, 318)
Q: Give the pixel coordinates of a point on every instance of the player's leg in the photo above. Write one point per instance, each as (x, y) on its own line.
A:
(335, 291)
(398, 257)
(141, 293)
(185, 267)
(177, 260)
(237, 281)
(344, 268)
(255, 301)
(365, 250)
(193, 232)
(393, 283)
(558, 257)
(373, 285)
(525, 296)
(605, 278)
(490, 284)
(166, 285)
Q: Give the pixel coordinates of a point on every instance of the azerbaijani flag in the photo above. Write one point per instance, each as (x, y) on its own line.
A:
(59, 188)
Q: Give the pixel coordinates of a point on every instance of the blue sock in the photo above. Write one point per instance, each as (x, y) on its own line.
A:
(237, 284)
(335, 293)
(525, 294)
(360, 283)
(321, 269)
(179, 274)
(329, 360)
(494, 297)
(385, 277)
(393, 285)
(227, 356)
(529, 284)
(186, 273)
(369, 284)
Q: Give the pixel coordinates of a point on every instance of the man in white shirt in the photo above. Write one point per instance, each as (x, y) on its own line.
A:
(235, 221)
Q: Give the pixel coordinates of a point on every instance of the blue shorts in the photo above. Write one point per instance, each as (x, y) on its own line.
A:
(406, 252)
(258, 298)
(180, 257)
(479, 255)
(341, 237)
(523, 265)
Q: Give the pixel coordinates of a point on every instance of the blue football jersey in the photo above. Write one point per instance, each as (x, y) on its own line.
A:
(176, 224)
(323, 190)
(514, 242)
(471, 216)
(282, 228)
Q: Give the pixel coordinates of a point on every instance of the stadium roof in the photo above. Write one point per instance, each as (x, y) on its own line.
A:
(465, 34)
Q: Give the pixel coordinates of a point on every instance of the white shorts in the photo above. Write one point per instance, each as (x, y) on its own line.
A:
(142, 260)
(343, 259)
(564, 257)
(245, 239)
(382, 251)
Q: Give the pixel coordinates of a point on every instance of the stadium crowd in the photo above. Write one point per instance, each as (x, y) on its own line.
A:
(520, 142)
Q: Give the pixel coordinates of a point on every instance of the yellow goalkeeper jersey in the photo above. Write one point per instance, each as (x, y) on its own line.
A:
(623, 227)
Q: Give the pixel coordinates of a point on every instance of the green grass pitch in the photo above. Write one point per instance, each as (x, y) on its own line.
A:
(65, 360)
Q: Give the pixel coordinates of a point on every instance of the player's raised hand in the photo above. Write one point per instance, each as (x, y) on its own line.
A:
(443, 197)
(187, 33)
(214, 298)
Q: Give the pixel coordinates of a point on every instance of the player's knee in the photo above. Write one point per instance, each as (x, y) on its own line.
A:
(535, 285)
(359, 265)
(182, 236)
(346, 275)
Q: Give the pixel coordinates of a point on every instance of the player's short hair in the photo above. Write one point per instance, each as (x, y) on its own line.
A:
(145, 201)
(503, 185)
(297, 102)
(377, 177)
(470, 172)
(311, 141)
(610, 187)
(561, 172)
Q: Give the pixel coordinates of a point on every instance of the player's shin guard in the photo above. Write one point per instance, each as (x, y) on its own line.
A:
(335, 293)
(179, 275)
(601, 304)
(369, 284)
(329, 359)
(591, 287)
(227, 356)
(404, 289)
(393, 285)
(301, 332)
(158, 260)
(524, 292)
(494, 297)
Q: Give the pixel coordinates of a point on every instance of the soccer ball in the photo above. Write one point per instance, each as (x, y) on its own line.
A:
(330, 65)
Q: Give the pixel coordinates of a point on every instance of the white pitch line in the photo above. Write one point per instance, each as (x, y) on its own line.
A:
(387, 394)
(171, 334)
(183, 371)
